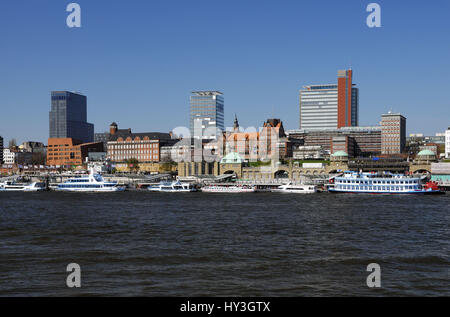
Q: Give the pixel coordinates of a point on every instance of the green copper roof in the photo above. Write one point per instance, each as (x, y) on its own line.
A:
(426, 153)
(231, 158)
(339, 153)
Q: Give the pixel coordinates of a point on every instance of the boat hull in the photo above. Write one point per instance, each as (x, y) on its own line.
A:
(290, 191)
(417, 192)
(89, 190)
(172, 190)
(21, 190)
(228, 191)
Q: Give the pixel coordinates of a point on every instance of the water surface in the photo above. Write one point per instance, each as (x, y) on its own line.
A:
(197, 244)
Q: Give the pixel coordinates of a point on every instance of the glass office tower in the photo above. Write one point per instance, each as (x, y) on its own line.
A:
(207, 112)
(68, 117)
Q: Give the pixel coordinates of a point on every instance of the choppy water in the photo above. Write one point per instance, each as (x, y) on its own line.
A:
(197, 244)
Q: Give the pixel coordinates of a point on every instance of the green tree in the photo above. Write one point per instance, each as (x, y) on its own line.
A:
(133, 164)
(166, 165)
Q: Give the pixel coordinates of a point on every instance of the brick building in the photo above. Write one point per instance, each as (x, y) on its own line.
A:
(68, 151)
(262, 144)
(393, 133)
(123, 145)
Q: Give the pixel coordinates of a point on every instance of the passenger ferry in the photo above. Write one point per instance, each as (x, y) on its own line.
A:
(225, 188)
(295, 189)
(91, 183)
(385, 183)
(173, 187)
(19, 187)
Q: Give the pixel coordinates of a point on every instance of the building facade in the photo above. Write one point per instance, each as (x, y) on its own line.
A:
(439, 138)
(393, 133)
(69, 152)
(361, 141)
(102, 137)
(330, 106)
(9, 157)
(308, 153)
(447, 143)
(32, 147)
(68, 117)
(206, 112)
(146, 147)
(268, 142)
(343, 143)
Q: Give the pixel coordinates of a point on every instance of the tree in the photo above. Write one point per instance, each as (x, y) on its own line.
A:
(133, 164)
(166, 165)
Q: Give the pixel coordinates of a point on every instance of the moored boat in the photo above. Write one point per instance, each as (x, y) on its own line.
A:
(225, 188)
(19, 187)
(173, 187)
(91, 183)
(384, 183)
(295, 189)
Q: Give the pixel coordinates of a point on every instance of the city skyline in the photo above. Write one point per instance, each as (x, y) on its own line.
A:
(259, 66)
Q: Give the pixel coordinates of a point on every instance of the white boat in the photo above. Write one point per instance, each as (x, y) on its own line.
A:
(19, 187)
(91, 183)
(297, 189)
(173, 187)
(222, 188)
(381, 183)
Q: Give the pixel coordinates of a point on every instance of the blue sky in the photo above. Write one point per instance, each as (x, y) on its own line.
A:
(137, 61)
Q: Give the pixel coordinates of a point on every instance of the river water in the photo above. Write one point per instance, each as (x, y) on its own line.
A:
(140, 243)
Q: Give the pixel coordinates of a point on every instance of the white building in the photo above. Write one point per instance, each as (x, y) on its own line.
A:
(447, 143)
(8, 156)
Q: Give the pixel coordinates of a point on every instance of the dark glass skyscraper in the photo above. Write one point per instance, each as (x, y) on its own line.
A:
(207, 112)
(68, 117)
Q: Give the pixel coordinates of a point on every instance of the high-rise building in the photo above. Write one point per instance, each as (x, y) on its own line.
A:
(1, 150)
(393, 133)
(447, 143)
(330, 106)
(68, 117)
(206, 112)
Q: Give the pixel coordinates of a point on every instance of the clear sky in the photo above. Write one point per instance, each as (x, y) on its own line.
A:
(137, 61)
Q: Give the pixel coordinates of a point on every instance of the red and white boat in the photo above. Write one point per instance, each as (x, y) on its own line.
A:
(384, 183)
